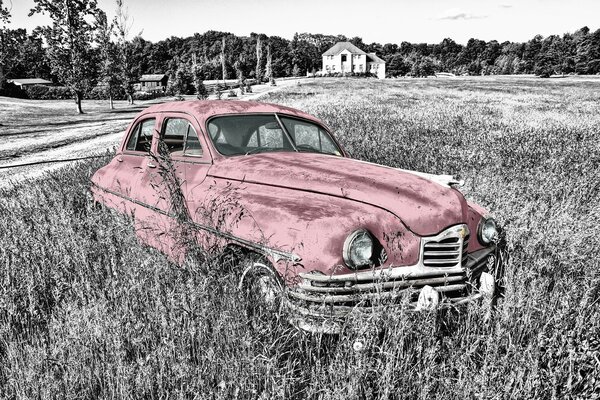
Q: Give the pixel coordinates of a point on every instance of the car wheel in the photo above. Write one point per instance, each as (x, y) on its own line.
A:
(262, 290)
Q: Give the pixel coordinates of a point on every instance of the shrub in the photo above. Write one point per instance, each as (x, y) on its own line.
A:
(101, 93)
(145, 95)
(43, 92)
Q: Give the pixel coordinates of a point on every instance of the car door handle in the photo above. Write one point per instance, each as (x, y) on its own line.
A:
(151, 164)
(120, 159)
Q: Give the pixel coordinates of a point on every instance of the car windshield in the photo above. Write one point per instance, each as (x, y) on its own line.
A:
(249, 134)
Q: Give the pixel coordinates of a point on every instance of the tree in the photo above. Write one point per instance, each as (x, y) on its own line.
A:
(183, 80)
(129, 54)
(4, 13)
(268, 67)
(258, 73)
(424, 66)
(70, 41)
(223, 66)
(397, 66)
(7, 44)
(110, 72)
(198, 76)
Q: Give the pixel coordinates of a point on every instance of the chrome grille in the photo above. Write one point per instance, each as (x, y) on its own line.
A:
(448, 249)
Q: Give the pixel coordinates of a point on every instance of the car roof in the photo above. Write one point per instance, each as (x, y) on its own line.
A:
(205, 109)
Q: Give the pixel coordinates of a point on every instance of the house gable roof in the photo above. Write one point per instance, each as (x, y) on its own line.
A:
(152, 78)
(29, 81)
(341, 46)
(371, 57)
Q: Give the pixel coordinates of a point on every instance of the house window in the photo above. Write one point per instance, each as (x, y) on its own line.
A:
(343, 58)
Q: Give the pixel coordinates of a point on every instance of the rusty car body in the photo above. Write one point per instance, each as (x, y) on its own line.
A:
(339, 234)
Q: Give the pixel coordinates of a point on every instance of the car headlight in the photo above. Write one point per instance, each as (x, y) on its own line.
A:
(358, 249)
(487, 231)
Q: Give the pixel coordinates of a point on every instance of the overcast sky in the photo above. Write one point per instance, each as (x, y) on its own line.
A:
(382, 21)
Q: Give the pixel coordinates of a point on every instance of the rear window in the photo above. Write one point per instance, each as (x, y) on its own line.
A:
(140, 138)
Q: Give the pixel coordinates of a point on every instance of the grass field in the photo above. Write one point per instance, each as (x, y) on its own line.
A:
(85, 311)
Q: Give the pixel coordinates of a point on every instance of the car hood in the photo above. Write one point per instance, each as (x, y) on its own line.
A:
(424, 205)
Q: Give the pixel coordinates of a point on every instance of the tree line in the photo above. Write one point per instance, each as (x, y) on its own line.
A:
(82, 49)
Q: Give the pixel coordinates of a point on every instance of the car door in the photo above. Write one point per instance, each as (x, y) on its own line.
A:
(120, 178)
(177, 162)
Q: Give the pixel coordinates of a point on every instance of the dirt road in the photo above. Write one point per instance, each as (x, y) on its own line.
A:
(39, 132)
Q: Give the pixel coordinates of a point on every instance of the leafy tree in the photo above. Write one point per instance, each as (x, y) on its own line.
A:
(280, 63)
(31, 59)
(8, 45)
(398, 66)
(4, 13)
(582, 42)
(425, 66)
(70, 41)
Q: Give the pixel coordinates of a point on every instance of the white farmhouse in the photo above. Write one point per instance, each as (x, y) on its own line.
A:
(345, 57)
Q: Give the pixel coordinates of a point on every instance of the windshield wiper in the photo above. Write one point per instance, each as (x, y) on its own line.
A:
(265, 150)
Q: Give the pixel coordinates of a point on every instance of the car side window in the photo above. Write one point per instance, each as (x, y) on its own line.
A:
(192, 143)
(141, 136)
(181, 138)
(308, 136)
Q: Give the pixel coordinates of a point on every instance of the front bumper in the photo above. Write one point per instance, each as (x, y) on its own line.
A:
(413, 288)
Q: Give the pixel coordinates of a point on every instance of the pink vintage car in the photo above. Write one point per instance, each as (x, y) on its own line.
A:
(323, 232)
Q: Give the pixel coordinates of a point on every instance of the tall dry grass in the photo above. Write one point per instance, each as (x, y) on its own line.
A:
(87, 312)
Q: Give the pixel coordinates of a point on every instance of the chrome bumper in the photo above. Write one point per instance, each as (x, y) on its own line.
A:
(335, 296)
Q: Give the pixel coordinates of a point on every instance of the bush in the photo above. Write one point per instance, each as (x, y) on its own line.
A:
(43, 92)
(144, 96)
(101, 93)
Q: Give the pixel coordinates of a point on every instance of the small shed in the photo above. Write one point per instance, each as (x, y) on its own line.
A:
(152, 83)
(23, 83)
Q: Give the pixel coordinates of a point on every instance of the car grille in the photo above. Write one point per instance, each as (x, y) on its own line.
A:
(449, 249)
(445, 266)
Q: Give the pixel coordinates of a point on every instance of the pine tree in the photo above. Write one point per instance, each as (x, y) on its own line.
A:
(201, 91)
(110, 72)
(258, 73)
(70, 41)
(129, 58)
(269, 66)
(223, 68)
